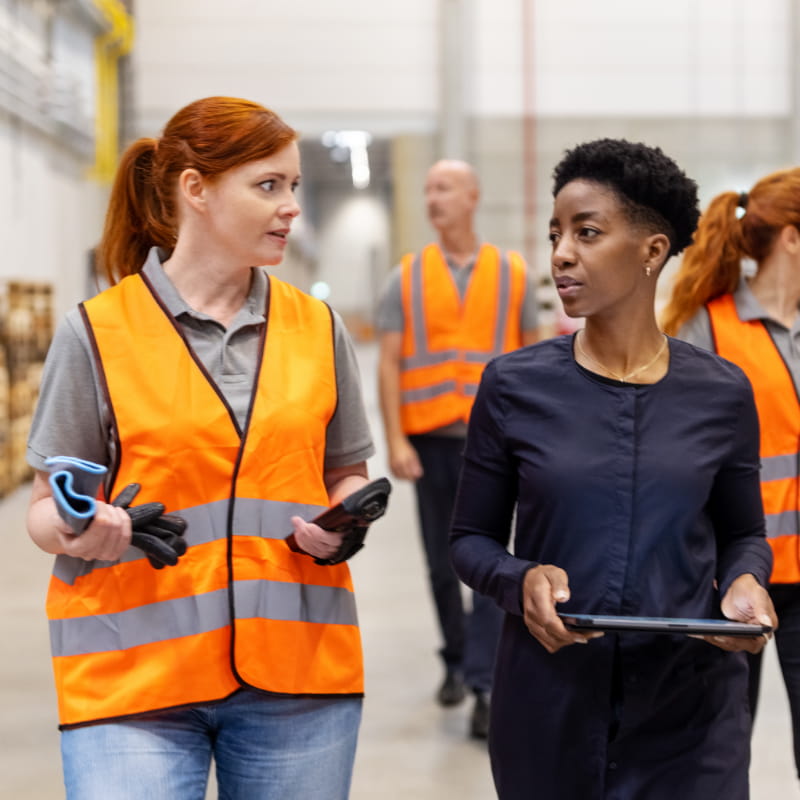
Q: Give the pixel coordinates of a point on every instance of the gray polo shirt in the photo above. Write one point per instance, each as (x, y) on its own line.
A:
(697, 330)
(72, 417)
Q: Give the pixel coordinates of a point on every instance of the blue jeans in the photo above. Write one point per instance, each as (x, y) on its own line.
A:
(264, 747)
(470, 640)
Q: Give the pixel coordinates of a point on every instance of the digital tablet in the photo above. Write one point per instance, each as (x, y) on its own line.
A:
(703, 627)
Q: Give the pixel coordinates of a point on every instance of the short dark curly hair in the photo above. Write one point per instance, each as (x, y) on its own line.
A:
(652, 188)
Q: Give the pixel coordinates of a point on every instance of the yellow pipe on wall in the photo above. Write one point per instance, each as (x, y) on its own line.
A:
(108, 49)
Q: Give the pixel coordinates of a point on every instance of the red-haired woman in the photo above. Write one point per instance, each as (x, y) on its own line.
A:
(233, 399)
(754, 322)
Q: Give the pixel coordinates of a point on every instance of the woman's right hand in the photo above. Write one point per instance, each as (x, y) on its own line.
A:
(543, 587)
(106, 539)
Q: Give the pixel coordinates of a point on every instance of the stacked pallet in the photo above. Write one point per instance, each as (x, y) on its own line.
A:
(5, 427)
(27, 328)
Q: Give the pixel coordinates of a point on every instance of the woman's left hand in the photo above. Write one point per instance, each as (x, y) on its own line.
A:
(746, 601)
(339, 482)
(315, 541)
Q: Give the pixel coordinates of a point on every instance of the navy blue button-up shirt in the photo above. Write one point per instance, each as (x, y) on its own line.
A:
(648, 496)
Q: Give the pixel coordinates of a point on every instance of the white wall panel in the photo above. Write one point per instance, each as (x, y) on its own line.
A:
(308, 59)
(628, 57)
(50, 215)
(496, 47)
(353, 248)
(316, 61)
(74, 94)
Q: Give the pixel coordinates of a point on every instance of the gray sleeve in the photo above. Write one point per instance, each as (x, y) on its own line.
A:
(389, 316)
(349, 440)
(697, 331)
(529, 319)
(69, 415)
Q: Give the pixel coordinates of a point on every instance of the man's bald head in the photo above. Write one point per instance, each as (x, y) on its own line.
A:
(451, 194)
(458, 170)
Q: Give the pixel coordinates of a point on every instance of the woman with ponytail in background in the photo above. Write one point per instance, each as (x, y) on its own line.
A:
(233, 399)
(754, 322)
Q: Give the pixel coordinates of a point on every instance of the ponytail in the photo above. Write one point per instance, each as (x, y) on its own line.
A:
(711, 265)
(136, 218)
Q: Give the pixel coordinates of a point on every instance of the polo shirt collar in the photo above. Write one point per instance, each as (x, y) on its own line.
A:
(251, 312)
(470, 264)
(749, 309)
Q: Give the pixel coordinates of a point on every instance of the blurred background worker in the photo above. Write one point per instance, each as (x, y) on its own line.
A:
(753, 321)
(444, 313)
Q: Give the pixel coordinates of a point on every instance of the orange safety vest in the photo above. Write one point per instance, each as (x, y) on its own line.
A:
(749, 345)
(240, 609)
(447, 342)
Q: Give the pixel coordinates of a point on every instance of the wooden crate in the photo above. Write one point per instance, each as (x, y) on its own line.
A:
(19, 470)
(5, 428)
(26, 322)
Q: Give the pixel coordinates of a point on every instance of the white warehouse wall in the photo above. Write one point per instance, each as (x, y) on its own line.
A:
(50, 214)
(633, 58)
(50, 210)
(377, 65)
(354, 240)
(350, 63)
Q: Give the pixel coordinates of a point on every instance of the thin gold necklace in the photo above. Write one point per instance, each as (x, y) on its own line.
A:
(621, 378)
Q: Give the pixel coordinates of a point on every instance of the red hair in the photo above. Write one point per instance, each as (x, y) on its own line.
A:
(712, 265)
(211, 135)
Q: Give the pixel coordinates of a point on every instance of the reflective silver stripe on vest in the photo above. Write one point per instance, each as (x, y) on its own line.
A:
(776, 468)
(503, 303)
(423, 357)
(188, 616)
(428, 392)
(268, 519)
(421, 353)
(294, 602)
(784, 523)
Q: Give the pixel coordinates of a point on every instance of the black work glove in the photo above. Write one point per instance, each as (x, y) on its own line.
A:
(158, 535)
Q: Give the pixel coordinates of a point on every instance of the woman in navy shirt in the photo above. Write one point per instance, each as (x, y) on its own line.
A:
(631, 461)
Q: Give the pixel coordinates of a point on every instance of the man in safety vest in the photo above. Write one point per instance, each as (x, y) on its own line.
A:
(444, 313)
